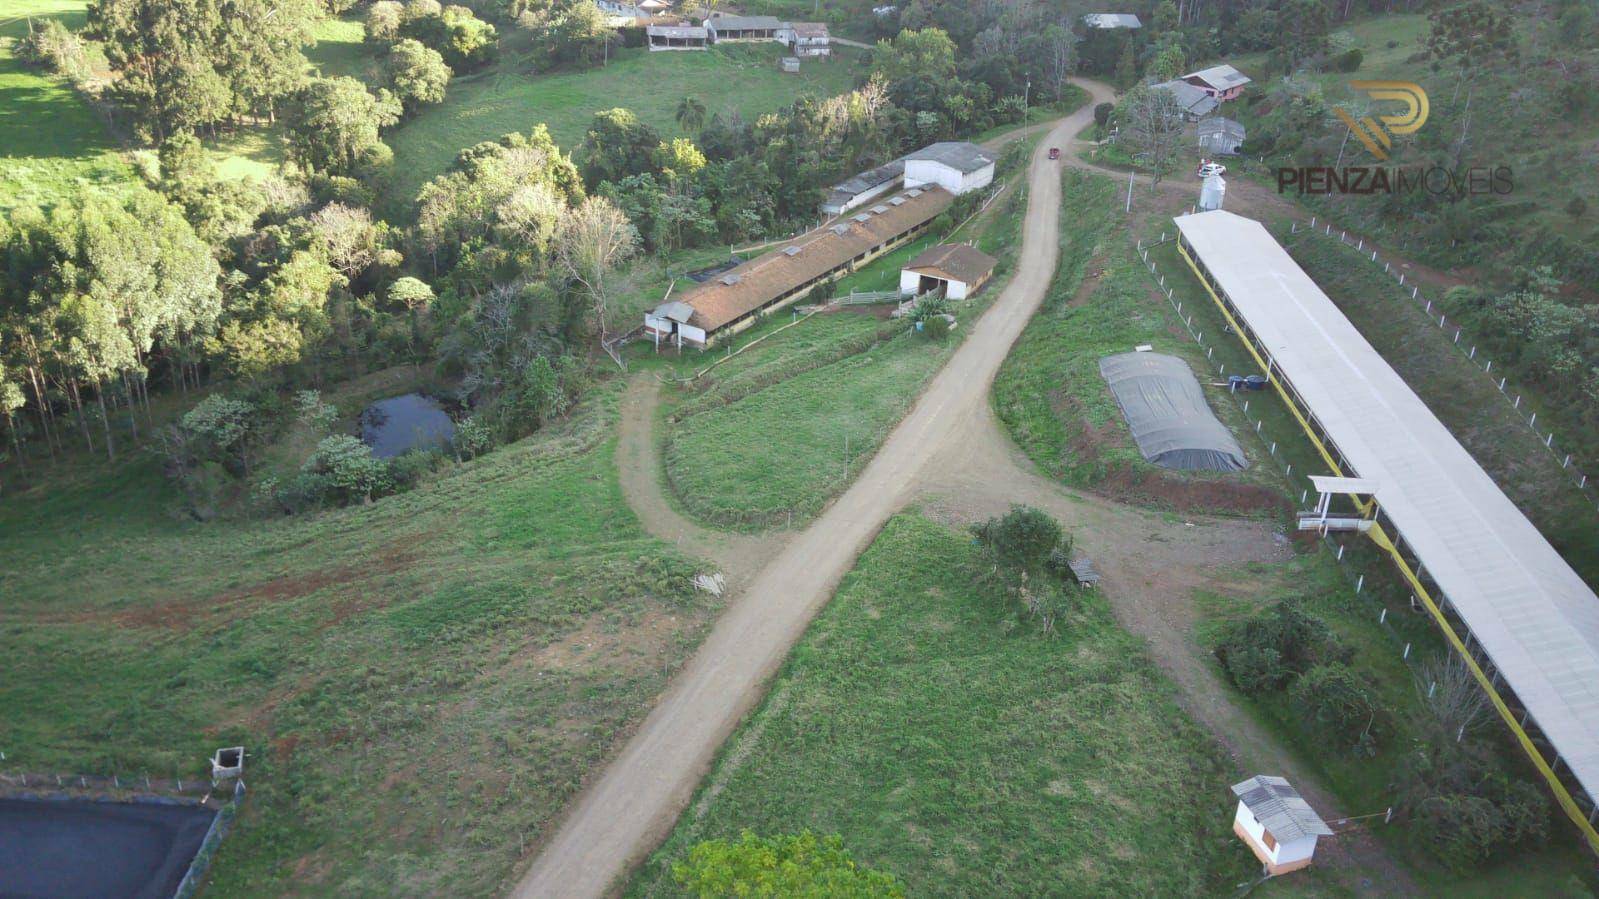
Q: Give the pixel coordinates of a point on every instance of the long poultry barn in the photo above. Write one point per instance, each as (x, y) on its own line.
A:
(1523, 620)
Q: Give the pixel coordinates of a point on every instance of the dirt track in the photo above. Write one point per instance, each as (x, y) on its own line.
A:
(950, 456)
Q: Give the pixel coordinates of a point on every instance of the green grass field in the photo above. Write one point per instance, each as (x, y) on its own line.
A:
(51, 139)
(969, 754)
(506, 98)
(420, 683)
(1052, 398)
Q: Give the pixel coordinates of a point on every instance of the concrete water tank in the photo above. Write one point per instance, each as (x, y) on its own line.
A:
(1212, 192)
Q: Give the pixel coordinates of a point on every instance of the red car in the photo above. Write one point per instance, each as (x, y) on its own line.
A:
(1054, 152)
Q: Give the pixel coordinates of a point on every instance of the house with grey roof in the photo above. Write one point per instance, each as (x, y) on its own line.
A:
(1222, 82)
(956, 166)
(676, 37)
(1277, 824)
(855, 191)
(1194, 102)
(744, 28)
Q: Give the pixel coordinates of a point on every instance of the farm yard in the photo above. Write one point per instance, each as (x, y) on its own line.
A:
(351, 414)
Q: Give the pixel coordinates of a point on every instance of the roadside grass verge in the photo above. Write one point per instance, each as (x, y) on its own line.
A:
(1049, 392)
(420, 683)
(508, 97)
(954, 745)
(1464, 398)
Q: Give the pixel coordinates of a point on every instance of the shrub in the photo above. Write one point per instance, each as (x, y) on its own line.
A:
(1464, 830)
(1335, 702)
(936, 328)
(343, 469)
(1577, 208)
(1102, 113)
(798, 865)
(1265, 651)
(472, 437)
(54, 47)
(1349, 60)
(222, 429)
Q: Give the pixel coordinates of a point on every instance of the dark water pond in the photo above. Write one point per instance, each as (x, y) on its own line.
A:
(403, 423)
(82, 848)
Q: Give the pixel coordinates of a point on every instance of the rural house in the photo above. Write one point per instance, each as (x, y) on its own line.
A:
(732, 301)
(1222, 82)
(743, 28)
(806, 39)
(676, 37)
(956, 166)
(1219, 136)
(958, 270)
(1277, 824)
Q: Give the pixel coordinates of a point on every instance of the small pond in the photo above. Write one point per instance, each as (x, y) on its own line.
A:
(402, 423)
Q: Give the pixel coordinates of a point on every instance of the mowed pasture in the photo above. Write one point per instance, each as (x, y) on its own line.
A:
(51, 139)
(478, 107)
(952, 743)
(420, 683)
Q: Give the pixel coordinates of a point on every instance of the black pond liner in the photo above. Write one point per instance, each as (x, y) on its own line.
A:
(76, 847)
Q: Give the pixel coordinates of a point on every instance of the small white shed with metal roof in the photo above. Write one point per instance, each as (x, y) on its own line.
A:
(1277, 824)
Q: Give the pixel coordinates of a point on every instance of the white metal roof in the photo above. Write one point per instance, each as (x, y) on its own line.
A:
(1533, 615)
(1112, 20)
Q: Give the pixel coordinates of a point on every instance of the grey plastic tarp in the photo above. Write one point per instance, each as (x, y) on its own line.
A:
(1165, 408)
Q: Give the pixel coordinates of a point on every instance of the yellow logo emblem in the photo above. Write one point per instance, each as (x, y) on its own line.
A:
(1371, 131)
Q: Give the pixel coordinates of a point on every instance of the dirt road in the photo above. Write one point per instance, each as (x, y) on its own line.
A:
(638, 460)
(633, 804)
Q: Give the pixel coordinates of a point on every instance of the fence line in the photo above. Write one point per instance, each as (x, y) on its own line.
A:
(208, 846)
(1467, 348)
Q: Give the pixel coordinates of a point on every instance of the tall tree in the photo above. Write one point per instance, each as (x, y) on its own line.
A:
(335, 126)
(595, 238)
(416, 74)
(1151, 123)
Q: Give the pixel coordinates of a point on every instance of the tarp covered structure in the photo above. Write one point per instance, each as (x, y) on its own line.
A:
(1166, 410)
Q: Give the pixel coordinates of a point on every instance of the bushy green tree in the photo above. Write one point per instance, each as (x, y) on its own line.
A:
(465, 41)
(415, 74)
(52, 46)
(617, 145)
(335, 126)
(1268, 649)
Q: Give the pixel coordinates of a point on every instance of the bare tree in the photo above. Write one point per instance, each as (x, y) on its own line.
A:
(595, 237)
(1152, 126)
(1450, 691)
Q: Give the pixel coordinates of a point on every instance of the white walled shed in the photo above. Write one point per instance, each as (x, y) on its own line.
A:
(1277, 824)
(956, 166)
(958, 269)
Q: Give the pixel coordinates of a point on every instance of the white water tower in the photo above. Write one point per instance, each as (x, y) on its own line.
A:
(1211, 192)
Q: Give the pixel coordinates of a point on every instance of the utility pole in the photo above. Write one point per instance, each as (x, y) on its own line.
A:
(1027, 103)
(1129, 192)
